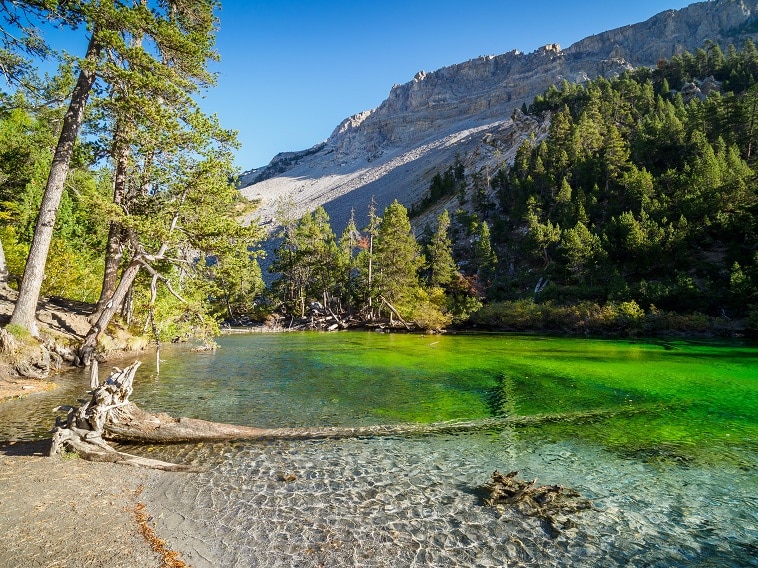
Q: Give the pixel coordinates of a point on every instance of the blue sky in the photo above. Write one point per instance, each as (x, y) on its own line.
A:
(291, 70)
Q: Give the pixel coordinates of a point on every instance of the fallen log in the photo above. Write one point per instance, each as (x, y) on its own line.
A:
(109, 415)
(394, 311)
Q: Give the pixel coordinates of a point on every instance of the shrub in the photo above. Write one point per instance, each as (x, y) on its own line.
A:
(587, 317)
(428, 309)
(630, 315)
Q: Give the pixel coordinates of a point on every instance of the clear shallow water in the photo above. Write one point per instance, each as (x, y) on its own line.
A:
(675, 484)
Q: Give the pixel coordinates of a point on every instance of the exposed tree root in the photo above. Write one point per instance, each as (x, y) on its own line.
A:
(82, 430)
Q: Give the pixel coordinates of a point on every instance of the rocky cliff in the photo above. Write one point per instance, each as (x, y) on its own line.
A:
(392, 151)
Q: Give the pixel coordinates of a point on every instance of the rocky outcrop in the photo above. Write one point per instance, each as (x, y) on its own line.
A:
(672, 32)
(282, 162)
(391, 152)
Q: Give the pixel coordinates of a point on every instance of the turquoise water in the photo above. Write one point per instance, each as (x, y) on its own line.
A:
(661, 436)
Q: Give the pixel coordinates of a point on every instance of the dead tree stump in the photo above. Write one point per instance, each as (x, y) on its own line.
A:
(81, 431)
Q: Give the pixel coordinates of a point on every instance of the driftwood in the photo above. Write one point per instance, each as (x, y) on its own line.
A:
(109, 415)
(550, 503)
(82, 429)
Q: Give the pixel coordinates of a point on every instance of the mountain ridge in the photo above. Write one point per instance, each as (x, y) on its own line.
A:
(465, 109)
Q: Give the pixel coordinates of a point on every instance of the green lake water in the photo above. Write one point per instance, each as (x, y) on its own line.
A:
(694, 400)
(661, 435)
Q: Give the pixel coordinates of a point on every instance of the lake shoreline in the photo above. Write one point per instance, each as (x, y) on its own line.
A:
(243, 507)
(71, 512)
(736, 333)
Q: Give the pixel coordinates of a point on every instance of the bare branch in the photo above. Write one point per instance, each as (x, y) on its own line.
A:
(162, 278)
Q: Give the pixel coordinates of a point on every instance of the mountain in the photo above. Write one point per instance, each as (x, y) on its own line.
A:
(467, 110)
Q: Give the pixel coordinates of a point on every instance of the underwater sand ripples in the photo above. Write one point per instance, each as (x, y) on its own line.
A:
(415, 502)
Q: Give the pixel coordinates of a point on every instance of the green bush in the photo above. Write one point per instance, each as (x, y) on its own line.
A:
(587, 317)
(428, 309)
(630, 315)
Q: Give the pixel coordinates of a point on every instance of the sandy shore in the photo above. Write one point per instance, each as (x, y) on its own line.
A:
(71, 513)
(68, 512)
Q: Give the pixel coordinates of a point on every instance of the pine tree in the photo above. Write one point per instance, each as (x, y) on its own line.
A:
(285, 263)
(542, 234)
(484, 256)
(349, 245)
(182, 35)
(189, 209)
(583, 250)
(26, 305)
(397, 258)
(439, 253)
(369, 253)
(21, 36)
(318, 255)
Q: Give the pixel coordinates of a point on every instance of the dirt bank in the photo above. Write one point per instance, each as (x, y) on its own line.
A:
(59, 320)
(67, 512)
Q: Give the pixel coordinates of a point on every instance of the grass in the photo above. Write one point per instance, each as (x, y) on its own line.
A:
(18, 331)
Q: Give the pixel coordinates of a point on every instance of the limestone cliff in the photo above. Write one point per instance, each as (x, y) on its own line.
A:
(392, 151)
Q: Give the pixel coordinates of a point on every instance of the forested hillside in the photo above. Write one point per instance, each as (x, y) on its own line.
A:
(636, 211)
(643, 191)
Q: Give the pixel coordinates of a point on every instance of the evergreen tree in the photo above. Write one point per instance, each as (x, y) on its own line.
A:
(543, 235)
(21, 37)
(189, 210)
(583, 251)
(288, 286)
(26, 305)
(366, 259)
(439, 253)
(181, 35)
(349, 245)
(484, 256)
(397, 258)
(319, 255)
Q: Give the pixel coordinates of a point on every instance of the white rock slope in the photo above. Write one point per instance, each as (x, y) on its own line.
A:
(392, 152)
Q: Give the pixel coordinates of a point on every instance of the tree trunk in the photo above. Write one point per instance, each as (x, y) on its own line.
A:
(128, 423)
(370, 263)
(26, 306)
(87, 350)
(108, 414)
(151, 312)
(115, 250)
(114, 254)
(394, 311)
(3, 268)
(127, 306)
